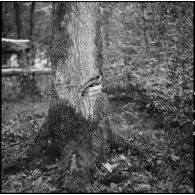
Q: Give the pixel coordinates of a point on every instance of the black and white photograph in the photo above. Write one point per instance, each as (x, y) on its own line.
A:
(97, 97)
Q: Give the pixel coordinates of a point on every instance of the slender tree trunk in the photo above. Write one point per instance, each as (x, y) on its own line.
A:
(76, 129)
(31, 59)
(22, 58)
(18, 19)
(31, 19)
(27, 84)
(144, 26)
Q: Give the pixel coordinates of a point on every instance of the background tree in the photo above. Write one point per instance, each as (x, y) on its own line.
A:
(31, 19)
(18, 19)
(33, 52)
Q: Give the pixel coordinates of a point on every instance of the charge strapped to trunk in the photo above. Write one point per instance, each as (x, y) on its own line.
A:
(92, 87)
(94, 90)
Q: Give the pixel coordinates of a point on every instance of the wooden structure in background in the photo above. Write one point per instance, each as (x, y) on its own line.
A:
(12, 47)
(20, 71)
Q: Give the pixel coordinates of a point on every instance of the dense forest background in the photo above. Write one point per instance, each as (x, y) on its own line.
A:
(148, 76)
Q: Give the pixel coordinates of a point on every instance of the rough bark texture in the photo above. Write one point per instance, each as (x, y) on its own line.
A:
(76, 129)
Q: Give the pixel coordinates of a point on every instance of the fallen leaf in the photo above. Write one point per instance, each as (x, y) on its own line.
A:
(108, 166)
(174, 157)
(122, 157)
(113, 186)
(142, 187)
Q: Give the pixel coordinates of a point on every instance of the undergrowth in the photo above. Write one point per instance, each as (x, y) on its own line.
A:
(163, 165)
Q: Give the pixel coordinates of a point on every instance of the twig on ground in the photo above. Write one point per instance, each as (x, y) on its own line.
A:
(18, 143)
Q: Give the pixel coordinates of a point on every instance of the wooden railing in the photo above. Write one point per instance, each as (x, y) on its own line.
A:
(19, 71)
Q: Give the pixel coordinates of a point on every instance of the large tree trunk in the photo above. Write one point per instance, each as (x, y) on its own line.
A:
(76, 129)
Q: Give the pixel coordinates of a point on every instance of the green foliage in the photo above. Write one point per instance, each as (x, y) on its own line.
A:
(169, 82)
(148, 62)
(150, 48)
(19, 88)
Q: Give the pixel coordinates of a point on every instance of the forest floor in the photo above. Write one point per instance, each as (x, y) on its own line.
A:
(158, 167)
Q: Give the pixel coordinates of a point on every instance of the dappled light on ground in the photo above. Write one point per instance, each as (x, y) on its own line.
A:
(151, 165)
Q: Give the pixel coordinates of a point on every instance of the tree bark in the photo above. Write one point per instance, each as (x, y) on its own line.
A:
(18, 20)
(27, 85)
(144, 26)
(31, 19)
(31, 59)
(76, 129)
(22, 57)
